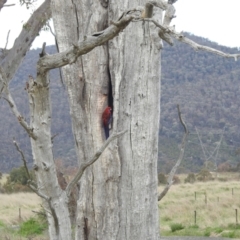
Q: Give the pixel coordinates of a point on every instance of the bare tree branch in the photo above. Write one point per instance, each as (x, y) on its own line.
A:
(2, 2)
(28, 174)
(9, 5)
(90, 42)
(34, 189)
(7, 39)
(181, 154)
(15, 111)
(23, 158)
(84, 165)
(50, 28)
(24, 41)
(180, 37)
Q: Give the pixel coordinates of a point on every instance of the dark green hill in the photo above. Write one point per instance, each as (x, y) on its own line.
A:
(206, 87)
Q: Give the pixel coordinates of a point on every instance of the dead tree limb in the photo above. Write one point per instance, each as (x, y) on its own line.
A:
(30, 181)
(95, 157)
(15, 111)
(181, 154)
(23, 158)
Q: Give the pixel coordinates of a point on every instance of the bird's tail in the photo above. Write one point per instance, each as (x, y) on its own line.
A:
(106, 130)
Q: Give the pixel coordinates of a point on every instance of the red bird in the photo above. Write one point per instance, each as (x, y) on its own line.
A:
(107, 119)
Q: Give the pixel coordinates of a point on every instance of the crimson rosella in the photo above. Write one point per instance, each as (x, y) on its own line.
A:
(107, 119)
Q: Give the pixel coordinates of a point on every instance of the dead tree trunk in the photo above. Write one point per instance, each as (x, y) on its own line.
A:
(118, 194)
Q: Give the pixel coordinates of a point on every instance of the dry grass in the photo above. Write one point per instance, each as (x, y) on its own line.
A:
(4, 178)
(215, 210)
(10, 204)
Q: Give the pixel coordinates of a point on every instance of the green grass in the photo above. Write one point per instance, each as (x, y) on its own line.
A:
(217, 217)
(2, 224)
(176, 227)
(32, 227)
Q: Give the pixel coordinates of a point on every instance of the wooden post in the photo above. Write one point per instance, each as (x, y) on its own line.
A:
(195, 193)
(206, 197)
(236, 211)
(19, 214)
(195, 217)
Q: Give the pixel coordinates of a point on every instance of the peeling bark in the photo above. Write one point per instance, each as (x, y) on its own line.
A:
(114, 197)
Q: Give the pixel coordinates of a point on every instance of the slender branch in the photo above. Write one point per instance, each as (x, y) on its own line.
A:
(50, 28)
(95, 157)
(7, 40)
(180, 37)
(15, 111)
(9, 5)
(181, 154)
(39, 193)
(28, 174)
(23, 158)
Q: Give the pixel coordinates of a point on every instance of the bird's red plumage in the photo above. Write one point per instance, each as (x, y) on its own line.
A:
(106, 116)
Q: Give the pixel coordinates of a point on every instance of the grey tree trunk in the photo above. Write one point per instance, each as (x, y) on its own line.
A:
(54, 198)
(118, 194)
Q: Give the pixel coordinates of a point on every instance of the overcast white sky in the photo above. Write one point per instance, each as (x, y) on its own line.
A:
(217, 20)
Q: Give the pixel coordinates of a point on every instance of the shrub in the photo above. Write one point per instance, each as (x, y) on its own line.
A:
(176, 180)
(204, 175)
(176, 227)
(17, 181)
(224, 167)
(230, 234)
(190, 178)
(162, 178)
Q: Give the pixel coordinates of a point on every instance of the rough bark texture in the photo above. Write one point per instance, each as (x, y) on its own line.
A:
(135, 73)
(118, 194)
(55, 200)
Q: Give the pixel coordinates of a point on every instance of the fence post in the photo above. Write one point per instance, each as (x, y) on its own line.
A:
(195, 217)
(19, 214)
(236, 211)
(195, 195)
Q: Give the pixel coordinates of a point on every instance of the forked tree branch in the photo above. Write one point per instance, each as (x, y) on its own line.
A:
(30, 181)
(181, 154)
(95, 157)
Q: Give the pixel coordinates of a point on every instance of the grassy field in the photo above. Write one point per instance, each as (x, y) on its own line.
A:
(14, 210)
(215, 203)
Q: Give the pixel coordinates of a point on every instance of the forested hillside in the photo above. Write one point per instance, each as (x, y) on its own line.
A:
(206, 87)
